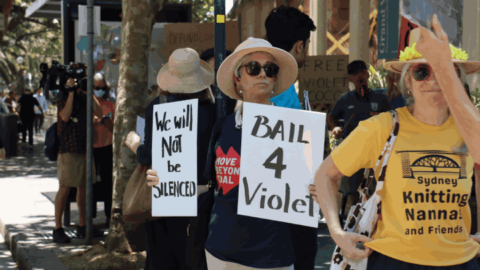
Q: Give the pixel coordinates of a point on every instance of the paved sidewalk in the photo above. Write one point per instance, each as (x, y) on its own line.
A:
(28, 185)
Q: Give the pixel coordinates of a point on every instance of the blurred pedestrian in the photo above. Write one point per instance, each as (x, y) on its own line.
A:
(11, 101)
(25, 108)
(102, 144)
(39, 116)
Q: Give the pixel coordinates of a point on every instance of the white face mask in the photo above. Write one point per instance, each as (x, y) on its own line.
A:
(99, 93)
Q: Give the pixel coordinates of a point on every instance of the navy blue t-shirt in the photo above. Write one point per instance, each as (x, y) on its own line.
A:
(248, 241)
(350, 103)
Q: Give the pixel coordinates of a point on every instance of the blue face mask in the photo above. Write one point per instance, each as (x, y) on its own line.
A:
(99, 93)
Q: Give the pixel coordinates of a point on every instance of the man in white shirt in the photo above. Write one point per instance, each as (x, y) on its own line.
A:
(38, 114)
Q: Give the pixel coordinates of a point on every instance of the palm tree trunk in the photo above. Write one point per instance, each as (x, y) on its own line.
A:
(137, 24)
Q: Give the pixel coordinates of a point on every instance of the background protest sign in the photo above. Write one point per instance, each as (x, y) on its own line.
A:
(198, 36)
(449, 13)
(325, 78)
(388, 12)
(174, 157)
(404, 39)
(281, 150)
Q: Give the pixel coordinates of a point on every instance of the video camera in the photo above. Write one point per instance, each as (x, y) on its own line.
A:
(54, 79)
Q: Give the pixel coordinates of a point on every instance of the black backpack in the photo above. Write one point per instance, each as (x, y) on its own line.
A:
(51, 143)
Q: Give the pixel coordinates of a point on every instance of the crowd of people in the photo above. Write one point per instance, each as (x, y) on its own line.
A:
(437, 125)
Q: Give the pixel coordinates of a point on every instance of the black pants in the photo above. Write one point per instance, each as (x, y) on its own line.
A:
(377, 261)
(166, 240)
(304, 246)
(103, 190)
(38, 122)
(27, 125)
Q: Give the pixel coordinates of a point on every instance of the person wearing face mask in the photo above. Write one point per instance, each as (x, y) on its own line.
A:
(102, 143)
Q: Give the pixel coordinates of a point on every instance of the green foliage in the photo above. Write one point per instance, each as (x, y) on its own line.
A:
(476, 98)
(37, 40)
(377, 78)
(202, 10)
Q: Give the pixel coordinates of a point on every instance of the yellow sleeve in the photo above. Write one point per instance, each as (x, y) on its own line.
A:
(363, 146)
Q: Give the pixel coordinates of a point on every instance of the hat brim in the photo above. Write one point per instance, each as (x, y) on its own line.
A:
(194, 83)
(287, 74)
(397, 66)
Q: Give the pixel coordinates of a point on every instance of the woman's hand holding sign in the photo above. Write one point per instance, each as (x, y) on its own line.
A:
(152, 178)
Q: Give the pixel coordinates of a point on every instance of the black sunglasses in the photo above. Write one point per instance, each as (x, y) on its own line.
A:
(254, 68)
(422, 72)
(101, 88)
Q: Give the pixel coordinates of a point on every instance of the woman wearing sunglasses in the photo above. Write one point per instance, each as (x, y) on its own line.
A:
(255, 72)
(424, 221)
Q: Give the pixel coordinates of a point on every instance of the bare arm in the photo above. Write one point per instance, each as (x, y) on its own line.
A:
(97, 108)
(66, 112)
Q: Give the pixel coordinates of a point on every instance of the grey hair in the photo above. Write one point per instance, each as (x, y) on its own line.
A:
(409, 100)
(101, 77)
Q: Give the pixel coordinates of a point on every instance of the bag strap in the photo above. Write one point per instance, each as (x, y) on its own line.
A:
(387, 149)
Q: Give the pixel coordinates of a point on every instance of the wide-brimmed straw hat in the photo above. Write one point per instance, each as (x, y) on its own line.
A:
(285, 61)
(185, 73)
(411, 56)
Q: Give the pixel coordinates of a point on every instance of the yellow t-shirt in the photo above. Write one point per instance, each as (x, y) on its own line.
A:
(426, 189)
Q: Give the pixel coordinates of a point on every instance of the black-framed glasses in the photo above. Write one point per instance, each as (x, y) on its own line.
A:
(422, 72)
(254, 68)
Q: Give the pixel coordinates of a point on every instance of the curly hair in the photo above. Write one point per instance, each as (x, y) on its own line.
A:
(287, 25)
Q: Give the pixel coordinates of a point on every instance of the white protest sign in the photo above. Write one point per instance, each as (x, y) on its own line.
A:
(83, 19)
(281, 150)
(174, 157)
(141, 127)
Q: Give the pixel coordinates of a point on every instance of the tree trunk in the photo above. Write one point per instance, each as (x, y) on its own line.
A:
(137, 24)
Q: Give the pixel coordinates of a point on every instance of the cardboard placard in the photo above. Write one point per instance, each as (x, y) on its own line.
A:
(324, 77)
(174, 157)
(198, 36)
(449, 12)
(281, 150)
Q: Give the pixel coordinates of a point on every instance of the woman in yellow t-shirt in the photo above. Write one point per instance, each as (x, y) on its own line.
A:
(425, 218)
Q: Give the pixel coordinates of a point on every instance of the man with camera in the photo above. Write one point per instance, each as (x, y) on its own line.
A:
(72, 145)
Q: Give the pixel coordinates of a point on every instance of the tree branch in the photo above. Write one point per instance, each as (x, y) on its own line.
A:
(32, 34)
(49, 25)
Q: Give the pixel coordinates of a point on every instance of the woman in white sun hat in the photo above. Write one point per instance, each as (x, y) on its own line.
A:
(185, 77)
(424, 222)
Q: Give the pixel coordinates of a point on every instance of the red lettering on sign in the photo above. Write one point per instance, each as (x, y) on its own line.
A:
(228, 169)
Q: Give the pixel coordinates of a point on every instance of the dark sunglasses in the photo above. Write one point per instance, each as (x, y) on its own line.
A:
(254, 68)
(422, 72)
(102, 88)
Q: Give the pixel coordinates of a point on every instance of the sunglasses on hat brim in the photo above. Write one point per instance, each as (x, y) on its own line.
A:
(421, 72)
(254, 68)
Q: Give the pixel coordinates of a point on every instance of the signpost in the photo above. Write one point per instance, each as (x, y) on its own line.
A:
(325, 78)
(388, 11)
(175, 159)
(281, 150)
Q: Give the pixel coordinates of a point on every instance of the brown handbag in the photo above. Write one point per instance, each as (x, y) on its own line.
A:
(137, 199)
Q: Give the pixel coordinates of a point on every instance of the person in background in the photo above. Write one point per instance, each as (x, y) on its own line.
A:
(39, 116)
(209, 57)
(354, 107)
(393, 93)
(3, 107)
(166, 238)
(102, 143)
(289, 29)
(25, 108)
(2, 95)
(11, 101)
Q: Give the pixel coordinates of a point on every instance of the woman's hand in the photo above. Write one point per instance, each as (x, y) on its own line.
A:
(435, 47)
(71, 83)
(347, 241)
(152, 178)
(133, 141)
(313, 191)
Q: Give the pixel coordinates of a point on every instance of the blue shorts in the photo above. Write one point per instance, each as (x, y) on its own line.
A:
(377, 261)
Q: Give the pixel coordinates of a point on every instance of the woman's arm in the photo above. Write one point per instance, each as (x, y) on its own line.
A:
(436, 49)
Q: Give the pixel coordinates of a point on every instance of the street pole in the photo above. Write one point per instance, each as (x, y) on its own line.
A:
(90, 69)
(220, 53)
